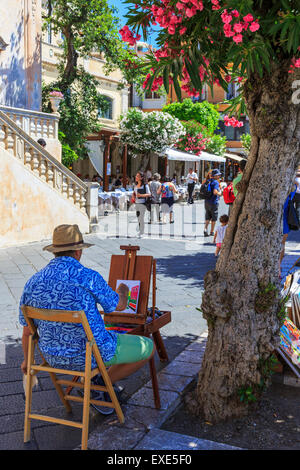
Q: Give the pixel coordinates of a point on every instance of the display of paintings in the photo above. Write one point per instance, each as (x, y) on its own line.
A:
(133, 295)
(290, 341)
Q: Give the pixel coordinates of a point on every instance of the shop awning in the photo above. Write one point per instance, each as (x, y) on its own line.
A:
(232, 156)
(173, 154)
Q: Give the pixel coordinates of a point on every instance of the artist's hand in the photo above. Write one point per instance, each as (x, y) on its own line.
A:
(24, 367)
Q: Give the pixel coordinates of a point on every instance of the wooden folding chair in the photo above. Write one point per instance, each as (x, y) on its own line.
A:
(30, 314)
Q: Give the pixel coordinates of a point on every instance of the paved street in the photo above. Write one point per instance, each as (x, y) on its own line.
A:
(181, 265)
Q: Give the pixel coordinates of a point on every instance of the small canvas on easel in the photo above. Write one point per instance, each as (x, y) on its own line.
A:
(133, 295)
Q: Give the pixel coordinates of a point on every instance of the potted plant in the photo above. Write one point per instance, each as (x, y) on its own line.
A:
(55, 97)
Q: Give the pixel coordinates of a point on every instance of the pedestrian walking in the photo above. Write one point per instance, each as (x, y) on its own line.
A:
(228, 196)
(141, 194)
(212, 202)
(220, 233)
(191, 180)
(167, 191)
(155, 197)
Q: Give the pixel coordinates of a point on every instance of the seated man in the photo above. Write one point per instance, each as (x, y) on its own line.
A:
(65, 284)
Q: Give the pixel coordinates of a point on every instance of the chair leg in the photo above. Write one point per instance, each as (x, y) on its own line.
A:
(112, 395)
(28, 391)
(86, 397)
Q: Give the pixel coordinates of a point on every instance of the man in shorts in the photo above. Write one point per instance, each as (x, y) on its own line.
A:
(212, 204)
(65, 284)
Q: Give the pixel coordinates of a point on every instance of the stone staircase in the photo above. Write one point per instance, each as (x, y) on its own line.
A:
(36, 158)
(63, 195)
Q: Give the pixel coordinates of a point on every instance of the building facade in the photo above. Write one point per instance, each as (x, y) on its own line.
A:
(20, 54)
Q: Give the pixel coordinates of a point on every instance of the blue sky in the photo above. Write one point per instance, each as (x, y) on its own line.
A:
(122, 10)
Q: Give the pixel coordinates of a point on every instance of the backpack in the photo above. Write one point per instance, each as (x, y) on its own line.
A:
(228, 194)
(205, 190)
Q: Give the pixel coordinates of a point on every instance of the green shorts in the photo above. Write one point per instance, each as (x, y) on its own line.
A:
(131, 348)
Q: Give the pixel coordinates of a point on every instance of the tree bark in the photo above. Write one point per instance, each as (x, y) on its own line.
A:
(241, 302)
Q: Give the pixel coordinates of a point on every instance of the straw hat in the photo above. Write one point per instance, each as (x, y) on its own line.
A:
(66, 238)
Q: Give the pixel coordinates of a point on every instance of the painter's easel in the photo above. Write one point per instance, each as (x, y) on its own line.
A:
(130, 266)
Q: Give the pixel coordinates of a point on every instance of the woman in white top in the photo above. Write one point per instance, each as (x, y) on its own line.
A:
(141, 194)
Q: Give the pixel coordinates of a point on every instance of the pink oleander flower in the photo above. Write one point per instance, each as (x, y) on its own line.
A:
(228, 31)
(127, 36)
(190, 12)
(235, 13)
(238, 38)
(233, 122)
(228, 78)
(248, 18)
(179, 6)
(216, 5)
(226, 18)
(171, 29)
(182, 31)
(254, 26)
(238, 27)
(56, 94)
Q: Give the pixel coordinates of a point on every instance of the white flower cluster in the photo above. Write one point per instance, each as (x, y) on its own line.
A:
(150, 132)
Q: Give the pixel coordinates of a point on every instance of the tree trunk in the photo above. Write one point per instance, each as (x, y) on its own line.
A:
(70, 69)
(144, 162)
(241, 302)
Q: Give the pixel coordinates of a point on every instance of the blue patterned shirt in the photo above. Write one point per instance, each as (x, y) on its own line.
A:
(64, 284)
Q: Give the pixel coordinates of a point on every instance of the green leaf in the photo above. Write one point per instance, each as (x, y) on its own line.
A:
(291, 39)
(258, 63)
(166, 74)
(285, 27)
(177, 88)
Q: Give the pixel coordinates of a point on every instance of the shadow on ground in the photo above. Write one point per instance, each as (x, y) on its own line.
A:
(188, 267)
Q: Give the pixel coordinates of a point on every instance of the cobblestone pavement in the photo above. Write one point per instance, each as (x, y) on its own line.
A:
(182, 262)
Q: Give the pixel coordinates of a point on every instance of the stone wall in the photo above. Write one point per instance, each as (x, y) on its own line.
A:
(29, 208)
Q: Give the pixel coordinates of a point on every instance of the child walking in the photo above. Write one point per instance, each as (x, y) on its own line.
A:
(220, 233)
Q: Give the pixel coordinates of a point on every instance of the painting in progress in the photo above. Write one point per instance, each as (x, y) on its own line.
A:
(133, 295)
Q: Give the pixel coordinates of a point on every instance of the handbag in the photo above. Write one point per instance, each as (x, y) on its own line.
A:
(148, 201)
(292, 216)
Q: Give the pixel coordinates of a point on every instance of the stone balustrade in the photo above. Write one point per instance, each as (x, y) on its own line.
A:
(34, 123)
(36, 159)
